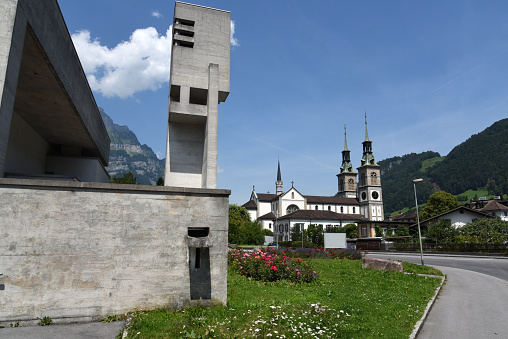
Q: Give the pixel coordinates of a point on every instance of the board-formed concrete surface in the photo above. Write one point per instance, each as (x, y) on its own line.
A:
(199, 81)
(82, 251)
(46, 105)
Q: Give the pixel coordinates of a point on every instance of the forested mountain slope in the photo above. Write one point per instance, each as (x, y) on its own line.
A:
(480, 161)
(397, 176)
(477, 163)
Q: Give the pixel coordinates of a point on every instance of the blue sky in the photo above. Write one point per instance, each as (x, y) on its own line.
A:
(429, 73)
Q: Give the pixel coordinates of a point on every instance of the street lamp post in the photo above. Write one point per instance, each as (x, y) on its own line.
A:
(418, 217)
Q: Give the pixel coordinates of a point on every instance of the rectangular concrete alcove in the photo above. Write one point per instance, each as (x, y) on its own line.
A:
(199, 245)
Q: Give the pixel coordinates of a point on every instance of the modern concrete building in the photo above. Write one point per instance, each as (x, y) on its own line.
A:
(199, 82)
(74, 250)
(50, 126)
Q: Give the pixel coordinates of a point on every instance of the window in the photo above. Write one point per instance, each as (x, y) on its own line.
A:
(198, 96)
(287, 227)
(354, 209)
(329, 208)
(364, 231)
(291, 209)
(316, 207)
(341, 209)
(292, 195)
(270, 225)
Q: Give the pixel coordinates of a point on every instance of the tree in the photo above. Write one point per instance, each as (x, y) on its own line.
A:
(379, 231)
(402, 231)
(440, 231)
(351, 231)
(128, 178)
(264, 232)
(241, 229)
(314, 233)
(486, 230)
(438, 203)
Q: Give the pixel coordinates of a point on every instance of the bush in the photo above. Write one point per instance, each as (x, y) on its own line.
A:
(269, 266)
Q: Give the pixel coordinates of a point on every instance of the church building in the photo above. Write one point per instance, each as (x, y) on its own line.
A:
(359, 200)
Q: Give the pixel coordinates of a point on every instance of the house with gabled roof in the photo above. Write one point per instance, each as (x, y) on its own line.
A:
(496, 209)
(458, 217)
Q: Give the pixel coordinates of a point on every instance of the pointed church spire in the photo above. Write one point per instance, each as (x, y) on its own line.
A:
(366, 131)
(346, 160)
(278, 183)
(279, 177)
(368, 157)
(345, 138)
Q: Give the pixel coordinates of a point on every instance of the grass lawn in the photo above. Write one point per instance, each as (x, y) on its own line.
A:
(346, 301)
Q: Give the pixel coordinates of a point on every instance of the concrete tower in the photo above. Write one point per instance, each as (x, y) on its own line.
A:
(200, 62)
(278, 184)
(369, 187)
(347, 176)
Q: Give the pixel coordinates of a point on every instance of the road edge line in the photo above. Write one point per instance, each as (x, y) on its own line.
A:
(420, 322)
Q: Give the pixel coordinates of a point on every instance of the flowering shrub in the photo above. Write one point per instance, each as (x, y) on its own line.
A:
(268, 266)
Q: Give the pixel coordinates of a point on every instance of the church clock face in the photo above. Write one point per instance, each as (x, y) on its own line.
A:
(375, 195)
(364, 195)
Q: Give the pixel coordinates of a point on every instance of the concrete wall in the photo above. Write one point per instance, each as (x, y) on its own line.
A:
(26, 151)
(85, 250)
(41, 78)
(85, 169)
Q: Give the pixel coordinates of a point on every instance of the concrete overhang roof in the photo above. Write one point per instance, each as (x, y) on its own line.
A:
(43, 101)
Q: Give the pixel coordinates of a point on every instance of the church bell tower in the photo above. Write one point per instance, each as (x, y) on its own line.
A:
(347, 176)
(369, 186)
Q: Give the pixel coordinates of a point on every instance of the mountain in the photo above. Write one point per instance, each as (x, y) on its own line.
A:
(397, 176)
(128, 155)
(477, 163)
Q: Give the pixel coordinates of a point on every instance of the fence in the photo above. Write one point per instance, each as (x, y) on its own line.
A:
(453, 247)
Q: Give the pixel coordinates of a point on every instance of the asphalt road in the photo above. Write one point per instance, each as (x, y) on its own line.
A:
(474, 301)
(496, 267)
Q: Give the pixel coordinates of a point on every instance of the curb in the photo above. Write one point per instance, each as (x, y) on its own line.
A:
(420, 322)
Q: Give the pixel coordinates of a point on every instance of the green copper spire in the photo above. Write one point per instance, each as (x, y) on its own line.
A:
(345, 139)
(346, 160)
(366, 132)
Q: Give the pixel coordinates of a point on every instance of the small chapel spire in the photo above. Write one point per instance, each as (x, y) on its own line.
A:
(278, 183)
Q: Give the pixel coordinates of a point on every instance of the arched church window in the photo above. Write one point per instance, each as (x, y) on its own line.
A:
(270, 225)
(354, 209)
(316, 207)
(291, 209)
(341, 209)
(292, 195)
(329, 208)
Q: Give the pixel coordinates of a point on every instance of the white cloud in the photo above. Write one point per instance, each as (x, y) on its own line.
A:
(157, 14)
(140, 64)
(234, 41)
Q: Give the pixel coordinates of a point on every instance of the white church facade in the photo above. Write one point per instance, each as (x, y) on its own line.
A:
(359, 200)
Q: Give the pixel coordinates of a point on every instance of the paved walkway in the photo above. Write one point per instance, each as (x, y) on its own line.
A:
(471, 305)
(68, 331)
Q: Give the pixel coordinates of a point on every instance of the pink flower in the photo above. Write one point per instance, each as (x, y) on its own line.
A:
(298, 273)
(274, 268)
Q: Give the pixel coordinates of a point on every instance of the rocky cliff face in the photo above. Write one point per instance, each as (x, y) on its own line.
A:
(128, 155)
